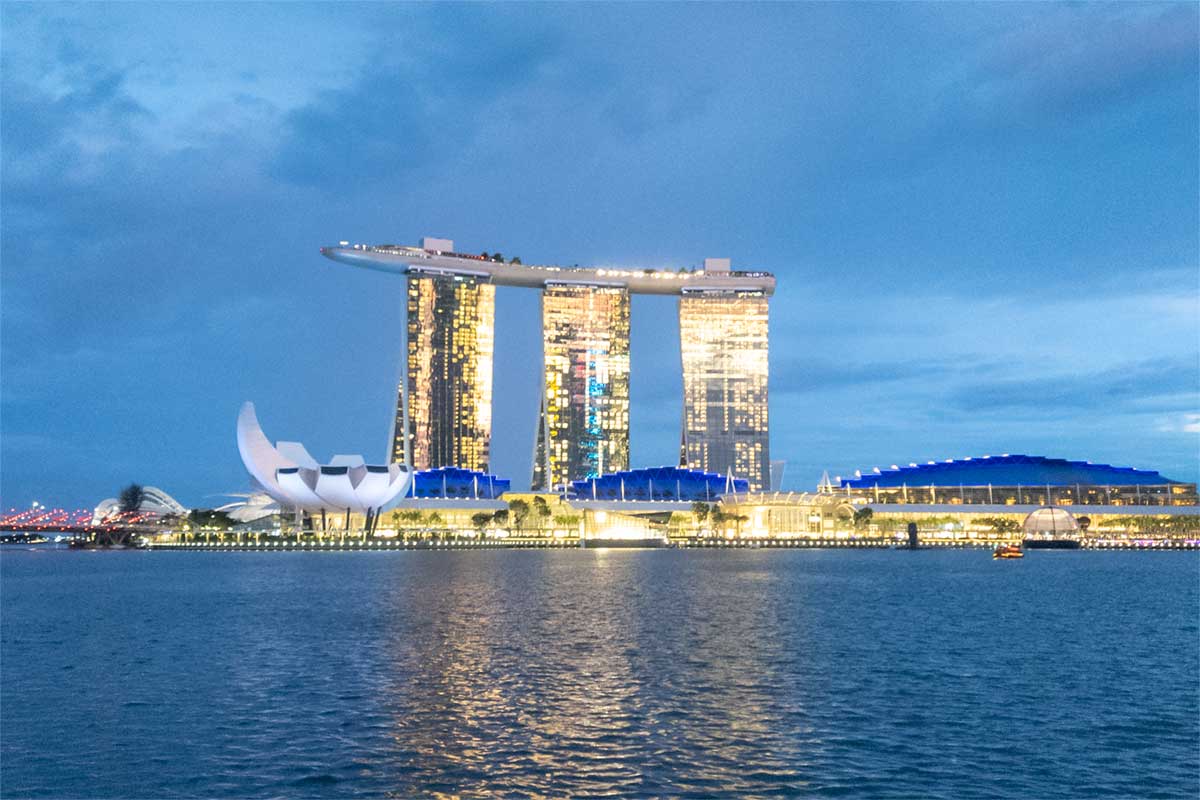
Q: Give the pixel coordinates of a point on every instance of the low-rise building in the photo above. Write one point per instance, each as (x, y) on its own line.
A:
(1015, 480)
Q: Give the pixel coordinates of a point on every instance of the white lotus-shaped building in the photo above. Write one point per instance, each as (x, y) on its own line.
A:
(294, 478)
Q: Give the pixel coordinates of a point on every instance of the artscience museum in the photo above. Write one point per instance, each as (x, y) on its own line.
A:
(346, 486)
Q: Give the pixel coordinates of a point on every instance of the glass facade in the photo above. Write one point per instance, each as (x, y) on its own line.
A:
(583, 430)
(723, 338)
(451, 343)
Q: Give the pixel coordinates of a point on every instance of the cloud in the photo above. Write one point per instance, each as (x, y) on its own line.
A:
(1187, 422)
(1152, 383)
(64, 138)
(1084, 58)
(167, 179)
(809, 375)
(412, 107)
(487, 86)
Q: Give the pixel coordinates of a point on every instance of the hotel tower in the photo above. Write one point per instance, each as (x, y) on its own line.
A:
(450, 343)
(583, 425)
(723, 342)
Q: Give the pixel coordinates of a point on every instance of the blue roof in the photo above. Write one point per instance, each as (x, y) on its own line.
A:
(658, 483)
(457, 482)
(1007, 470)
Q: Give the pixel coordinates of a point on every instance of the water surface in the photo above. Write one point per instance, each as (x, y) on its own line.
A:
(599, 673)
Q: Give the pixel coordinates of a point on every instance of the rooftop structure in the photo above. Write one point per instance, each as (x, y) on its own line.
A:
(429, 261)
(1017, 480)
(452, 482)
(658, 483)
(1006, 470)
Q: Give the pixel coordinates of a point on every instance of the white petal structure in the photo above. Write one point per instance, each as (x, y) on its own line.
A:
(252, 507)
(294, 478)
(294, 451)
(299, 483)
(377, 484)
(335, 485)
(260, 458)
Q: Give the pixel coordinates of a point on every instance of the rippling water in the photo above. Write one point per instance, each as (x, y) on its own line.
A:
(682, 673)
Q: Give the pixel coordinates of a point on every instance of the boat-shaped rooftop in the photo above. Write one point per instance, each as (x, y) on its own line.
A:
(437, 257)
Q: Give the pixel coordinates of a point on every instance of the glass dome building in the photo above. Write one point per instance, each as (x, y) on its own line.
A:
(1049, 522)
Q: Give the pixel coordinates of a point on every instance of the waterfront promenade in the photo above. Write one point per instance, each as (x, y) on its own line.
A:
(369, 545)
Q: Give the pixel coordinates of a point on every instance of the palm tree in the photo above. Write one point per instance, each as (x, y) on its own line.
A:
(862, 517)
(719, 518)
(739, 519)
(541, 510)
(480, 521)
(518, 511)
(567, 521)
(131, 498)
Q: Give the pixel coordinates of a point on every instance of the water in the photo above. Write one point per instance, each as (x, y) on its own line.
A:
(682, 673)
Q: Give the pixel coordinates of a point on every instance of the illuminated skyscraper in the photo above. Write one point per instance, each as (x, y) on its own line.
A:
(583, 430)
(451, 341)
(723, 338)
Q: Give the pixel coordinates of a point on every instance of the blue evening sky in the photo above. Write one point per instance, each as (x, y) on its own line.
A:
(983, 218)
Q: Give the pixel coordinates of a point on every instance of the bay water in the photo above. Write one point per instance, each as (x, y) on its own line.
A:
(685, 673)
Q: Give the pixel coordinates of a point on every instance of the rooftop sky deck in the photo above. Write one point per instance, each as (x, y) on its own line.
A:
(416, 260)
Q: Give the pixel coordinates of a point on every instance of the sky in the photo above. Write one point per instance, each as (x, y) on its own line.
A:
(983, 219)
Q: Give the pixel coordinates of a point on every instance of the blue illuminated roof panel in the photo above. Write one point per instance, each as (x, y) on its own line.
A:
(1008, 470)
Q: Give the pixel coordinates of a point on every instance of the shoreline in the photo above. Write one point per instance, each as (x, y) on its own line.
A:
(390, 545)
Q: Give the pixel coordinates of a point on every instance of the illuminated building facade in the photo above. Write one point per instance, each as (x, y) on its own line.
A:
(583, 429)
(451, 343)
(723, 339)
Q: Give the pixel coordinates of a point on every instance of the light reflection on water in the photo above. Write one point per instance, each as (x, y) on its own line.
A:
(599, 673)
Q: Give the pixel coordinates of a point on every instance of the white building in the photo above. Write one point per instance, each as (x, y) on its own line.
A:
(346, 485)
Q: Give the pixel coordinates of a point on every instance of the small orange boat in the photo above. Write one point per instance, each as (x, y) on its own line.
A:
(1008, 551)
